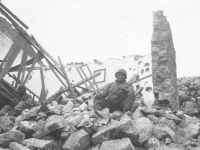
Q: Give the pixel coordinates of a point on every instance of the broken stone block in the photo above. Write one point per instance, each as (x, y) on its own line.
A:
(39, 126)
(94, 147)
(169, 147)
(173, 117)
(152, 143)
(64, 101)
(86, 96)
(137, 113)
(121, 144)
(11, 136)
(85, 121)
(162, 130)
(83, 106)
(154, 119)
(37, 143)
(68, 107)
(79, 140)
(73, 120)
(5, 123)
(190, 127)
(27, 128)
(54, 122)
(17, 146)
(111, 131)
(148, 111)
(142, 128)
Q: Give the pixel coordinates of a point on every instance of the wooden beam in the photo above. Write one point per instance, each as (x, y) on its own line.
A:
(67, 79)
(23, 63)
(57, 75)
(15, 49)
(50, 99)
(36, 58)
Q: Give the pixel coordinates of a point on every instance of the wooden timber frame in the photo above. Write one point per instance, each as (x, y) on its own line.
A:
(30, 47)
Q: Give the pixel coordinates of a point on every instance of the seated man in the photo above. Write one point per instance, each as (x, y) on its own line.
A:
(118, 95)
(23, 102)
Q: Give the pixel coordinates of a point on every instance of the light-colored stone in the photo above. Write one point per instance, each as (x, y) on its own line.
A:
(111, 131)
(37, 143)
(120, 144)
(17, 146)
(77, 141)
(11, 136)
(73, 120)
(142, 127)
(189, 127)
(152, 143)
(5, 123)
(68, 107)
(137, 113)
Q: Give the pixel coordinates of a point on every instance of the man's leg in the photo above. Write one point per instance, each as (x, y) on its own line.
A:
(127, 103)
(5, 109)
(100, 104)
(20, 107)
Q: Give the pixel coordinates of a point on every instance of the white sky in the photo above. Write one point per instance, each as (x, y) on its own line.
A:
(83, 30)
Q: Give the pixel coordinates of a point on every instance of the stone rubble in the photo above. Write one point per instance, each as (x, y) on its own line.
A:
(80, 128)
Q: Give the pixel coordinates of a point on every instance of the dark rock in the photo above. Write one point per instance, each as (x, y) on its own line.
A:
(27, 128)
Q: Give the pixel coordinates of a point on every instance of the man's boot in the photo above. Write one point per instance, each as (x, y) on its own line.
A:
(15, 113)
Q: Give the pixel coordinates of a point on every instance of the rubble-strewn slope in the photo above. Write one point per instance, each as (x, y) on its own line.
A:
(75, 126)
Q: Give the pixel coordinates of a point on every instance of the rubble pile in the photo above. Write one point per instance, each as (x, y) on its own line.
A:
(189, 95)
(76, 126)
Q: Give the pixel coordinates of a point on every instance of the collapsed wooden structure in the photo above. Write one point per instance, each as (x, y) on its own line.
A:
(30, 47)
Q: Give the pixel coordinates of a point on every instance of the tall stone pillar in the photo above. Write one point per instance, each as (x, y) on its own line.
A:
(164, 61)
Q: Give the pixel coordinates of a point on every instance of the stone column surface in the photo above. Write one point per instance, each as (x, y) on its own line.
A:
(163, 61)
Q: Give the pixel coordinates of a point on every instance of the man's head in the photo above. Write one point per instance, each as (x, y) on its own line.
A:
(21, 90)
(121, 75)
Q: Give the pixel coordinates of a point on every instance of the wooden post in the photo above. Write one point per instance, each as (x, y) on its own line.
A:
(67, 79)
(42, 94)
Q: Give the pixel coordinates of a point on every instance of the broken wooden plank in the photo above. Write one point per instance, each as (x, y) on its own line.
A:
(50, 99)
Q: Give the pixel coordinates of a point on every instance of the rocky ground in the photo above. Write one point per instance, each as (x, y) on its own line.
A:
(70, 126)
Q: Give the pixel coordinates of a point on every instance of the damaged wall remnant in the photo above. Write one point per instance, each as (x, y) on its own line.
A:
(164, 60)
